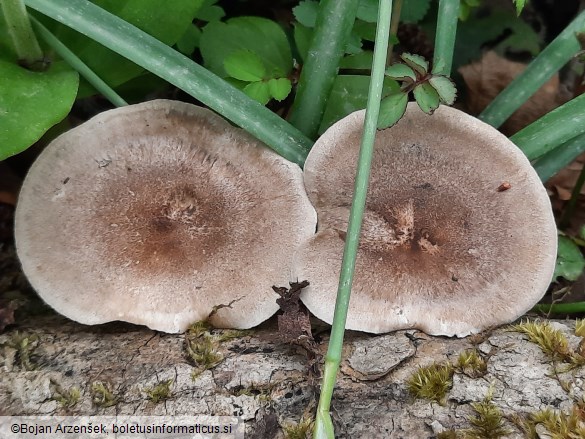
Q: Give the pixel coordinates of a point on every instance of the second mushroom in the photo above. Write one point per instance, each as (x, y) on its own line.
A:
(442, 247)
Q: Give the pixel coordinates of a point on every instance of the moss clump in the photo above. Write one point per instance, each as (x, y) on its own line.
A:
(488, 422)
(471, 363)
(301, 430)
(101, 395)
(560, 425)
(551, 341)
(25, 345)
(431, 382)
(160, 392)
(66, 398)
(580, 327)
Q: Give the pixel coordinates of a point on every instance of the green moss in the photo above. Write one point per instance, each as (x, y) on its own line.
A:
(101, 395)
(448, 434)
(301, 430)
(488, 422)
(561, 425)
(580, 327)
(25, 346)
(471, 363)
(551, 341)
(160, 392)
(67, 398)
(431, 382)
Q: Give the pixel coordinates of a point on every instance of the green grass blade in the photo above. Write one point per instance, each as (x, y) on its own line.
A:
(553, 129)
(146, 51)
(544, 66)
(330, 36)
(447, 20)
(23, 38)
(323, 424)
(560, 308)
(76, 63)
(555, 160)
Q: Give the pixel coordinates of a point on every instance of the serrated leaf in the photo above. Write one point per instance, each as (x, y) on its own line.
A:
(354, 44)
(570, 261)
(245, 66)
(279, 88)
(416, 62)
(414, 11)
(400, 71)
(189, 41)
(259, 35)
(306, 12)
(519, 5)
(426, 97)
(48, 98)
(258, 91)
(392, 108)
(445, 87)
(366, 31)
(368, 10)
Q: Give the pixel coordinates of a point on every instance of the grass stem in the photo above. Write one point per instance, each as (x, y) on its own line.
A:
(447, 19)
(23, 38)
(323, 424)
(553, 161)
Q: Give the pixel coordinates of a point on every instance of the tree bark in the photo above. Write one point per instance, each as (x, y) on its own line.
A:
(272, 384)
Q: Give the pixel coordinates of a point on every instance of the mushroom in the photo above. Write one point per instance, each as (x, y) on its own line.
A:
(443, 248)
(161, 214)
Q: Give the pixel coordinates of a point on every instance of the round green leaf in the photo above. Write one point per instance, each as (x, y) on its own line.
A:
(570, 261)
(259, 35)
(414, 11)
(426, 97)
(279, 88)
(445, 88)
(392, 108)
(189, 41)
(416, 62)
(306, 12)
(400, 71)
(210, 12)
(31, 103)
(258, 91)
(245, 66)
(368, 11)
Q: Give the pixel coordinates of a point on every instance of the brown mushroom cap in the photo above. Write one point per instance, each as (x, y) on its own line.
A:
(157, 213)
(443, 248)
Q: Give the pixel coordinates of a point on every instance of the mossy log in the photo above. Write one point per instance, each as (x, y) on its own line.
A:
(50, 365)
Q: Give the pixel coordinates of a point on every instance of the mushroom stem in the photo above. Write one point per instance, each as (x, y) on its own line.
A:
(323, 424)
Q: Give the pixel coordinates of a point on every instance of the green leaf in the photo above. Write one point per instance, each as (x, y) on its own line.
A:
(392, 108)
(210, 12)
(258, 91)
(259, 35)
(426, 97)
(359, 61)
(350, 93)
(519, 5)
(302, 36)
(354, 44)
(166, 24)
(416, 62)
(190, 40)
(245, 66)
(445, 87)
(400, 72)
(366, 31)
(414, 11)
(368, 10)
(31, 103)
(306, 12)
(279, 88)
(570, 261)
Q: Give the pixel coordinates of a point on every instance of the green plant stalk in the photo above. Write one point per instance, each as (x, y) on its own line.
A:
(555, 160)
(323, 424)
(570, 209)
(396, 11)
(77, 64)
(332, 29)
(447, 19)
(158, 58)
(25, 42)
(553, 129)
(540, 70)
(560, 308)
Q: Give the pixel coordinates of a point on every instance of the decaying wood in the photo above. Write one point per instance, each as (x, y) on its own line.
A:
(267, 382)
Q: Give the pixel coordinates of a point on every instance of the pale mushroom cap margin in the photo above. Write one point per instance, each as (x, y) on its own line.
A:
(157, 212)
(442, 250)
